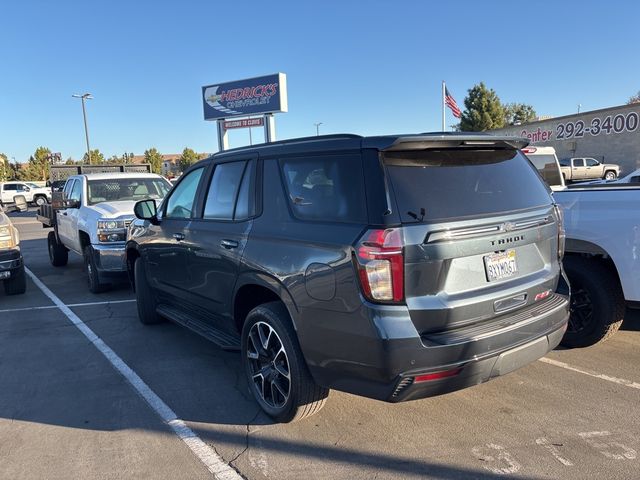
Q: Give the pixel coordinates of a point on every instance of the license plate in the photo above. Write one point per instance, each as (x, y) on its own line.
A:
(4, 275)
(500, 265)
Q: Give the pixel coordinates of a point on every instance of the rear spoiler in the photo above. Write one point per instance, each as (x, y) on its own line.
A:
(430, 142)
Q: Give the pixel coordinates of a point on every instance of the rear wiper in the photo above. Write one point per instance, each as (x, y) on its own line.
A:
(415, 215)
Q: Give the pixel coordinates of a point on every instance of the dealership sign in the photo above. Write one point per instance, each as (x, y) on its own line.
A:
(251, 96)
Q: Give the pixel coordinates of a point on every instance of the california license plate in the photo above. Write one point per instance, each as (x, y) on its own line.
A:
(500, 265)
(4, 275)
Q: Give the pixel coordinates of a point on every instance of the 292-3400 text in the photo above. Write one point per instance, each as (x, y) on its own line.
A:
(610, 124)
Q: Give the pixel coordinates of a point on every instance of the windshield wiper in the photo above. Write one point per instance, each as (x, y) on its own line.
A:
(415, 215)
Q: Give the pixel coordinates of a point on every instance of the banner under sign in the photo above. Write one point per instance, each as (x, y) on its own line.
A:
(251, 96)
(244, 123)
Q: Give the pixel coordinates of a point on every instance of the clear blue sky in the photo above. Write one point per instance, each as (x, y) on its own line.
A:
(367, 67)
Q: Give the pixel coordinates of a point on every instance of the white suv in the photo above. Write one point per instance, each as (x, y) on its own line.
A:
(30, 191)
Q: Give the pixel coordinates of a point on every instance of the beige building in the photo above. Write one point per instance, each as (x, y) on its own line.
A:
(611, 135)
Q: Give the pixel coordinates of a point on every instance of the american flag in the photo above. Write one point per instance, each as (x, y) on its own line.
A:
(451, 103)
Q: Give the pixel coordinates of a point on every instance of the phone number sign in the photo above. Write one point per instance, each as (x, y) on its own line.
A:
(619, 123)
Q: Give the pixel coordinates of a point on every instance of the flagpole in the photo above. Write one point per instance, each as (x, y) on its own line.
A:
(443, 109)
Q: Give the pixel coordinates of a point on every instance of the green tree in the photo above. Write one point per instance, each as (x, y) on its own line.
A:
(38, 167)
(4, 167)
(96, 157)
(634, 99)
(483, 110)
(153, 157)
(517, 113)
(188, 158)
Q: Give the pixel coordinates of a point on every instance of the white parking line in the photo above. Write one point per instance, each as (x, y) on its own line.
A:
(72, 305)
(207, 455)
(619, 381)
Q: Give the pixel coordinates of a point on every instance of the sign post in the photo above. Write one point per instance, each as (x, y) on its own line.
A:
(253, 96)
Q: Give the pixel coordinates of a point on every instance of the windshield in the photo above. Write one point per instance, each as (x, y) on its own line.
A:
(548, 168)
(123, 189)
(446, 184)
(33, 185)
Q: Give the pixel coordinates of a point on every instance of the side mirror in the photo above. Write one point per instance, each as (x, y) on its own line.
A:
(146, 210)
(72, 203)
(21, 203)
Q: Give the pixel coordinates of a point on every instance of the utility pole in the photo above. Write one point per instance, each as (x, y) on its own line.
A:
(318, 128)
(83, 97)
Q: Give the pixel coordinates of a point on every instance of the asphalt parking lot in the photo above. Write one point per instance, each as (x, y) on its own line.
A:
(65, 412)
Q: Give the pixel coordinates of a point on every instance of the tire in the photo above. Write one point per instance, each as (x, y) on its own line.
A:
(93, 279)
(58, 253)
(40, 200)
(145, 297)
(597, 302)
(17, 284)
(610, 175)
(303, 397)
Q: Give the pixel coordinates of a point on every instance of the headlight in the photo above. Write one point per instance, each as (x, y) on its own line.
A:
(8, 237)
(112, 231)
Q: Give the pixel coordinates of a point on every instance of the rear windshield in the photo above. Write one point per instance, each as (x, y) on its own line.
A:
(120, 189)
(445, 184)
(546, 165)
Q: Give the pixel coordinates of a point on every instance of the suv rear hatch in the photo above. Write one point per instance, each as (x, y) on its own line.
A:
(479, 234)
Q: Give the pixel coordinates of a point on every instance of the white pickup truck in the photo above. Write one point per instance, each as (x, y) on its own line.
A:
(602, 252)
(30, 191)
(90, 217)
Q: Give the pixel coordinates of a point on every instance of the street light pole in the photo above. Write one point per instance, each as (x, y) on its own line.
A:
(86, 96)
(318, 128)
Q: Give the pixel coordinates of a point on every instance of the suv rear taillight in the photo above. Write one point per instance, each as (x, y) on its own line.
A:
(561, 231)
(381, 265)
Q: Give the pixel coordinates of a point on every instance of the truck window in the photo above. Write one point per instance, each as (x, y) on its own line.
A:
(546, 166)
(329, 188)
(221, 198)
(76, 192)
(448, 184)
(591, 162)
(578, 162)
(126, 189)
(180, 203)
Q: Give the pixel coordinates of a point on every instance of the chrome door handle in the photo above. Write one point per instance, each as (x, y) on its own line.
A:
(229, 244)
(178, 236)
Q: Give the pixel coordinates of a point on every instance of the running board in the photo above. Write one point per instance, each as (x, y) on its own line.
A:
(224, 340)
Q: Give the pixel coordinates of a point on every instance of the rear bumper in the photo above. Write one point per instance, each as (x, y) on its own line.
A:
(10, 261)
(382, 360)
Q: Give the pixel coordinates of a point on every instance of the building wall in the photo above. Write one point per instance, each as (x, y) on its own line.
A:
(611, 135)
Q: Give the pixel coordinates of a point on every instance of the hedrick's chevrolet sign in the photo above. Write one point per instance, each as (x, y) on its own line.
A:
(252, 96)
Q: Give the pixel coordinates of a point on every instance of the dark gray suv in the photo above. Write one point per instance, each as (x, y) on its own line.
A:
(393, 267)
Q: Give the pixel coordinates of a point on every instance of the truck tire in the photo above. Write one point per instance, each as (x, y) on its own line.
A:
(58, 253)
(17, 284)
(610, 175)
(145, 297)
(40, 200)
(93, 279)
(295, 395)
(597, 302)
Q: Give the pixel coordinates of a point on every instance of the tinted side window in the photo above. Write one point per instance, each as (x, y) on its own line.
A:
(327, 188)
(223, 191)
(591, 162)
(182, 199)
(578, 162)
(10, 187)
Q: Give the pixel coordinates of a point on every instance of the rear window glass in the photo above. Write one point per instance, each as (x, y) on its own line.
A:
(328, 188)
(546, 165)
(445, 184)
